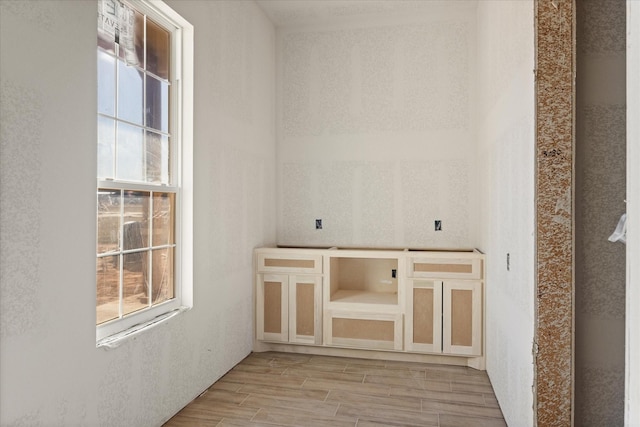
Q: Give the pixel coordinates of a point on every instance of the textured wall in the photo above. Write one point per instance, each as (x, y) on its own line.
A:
(50, 370)
(506, 140)
(600, 191)
(376, 133)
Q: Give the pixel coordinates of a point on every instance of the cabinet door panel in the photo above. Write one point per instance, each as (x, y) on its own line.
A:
(305, 309)
(305, 299)
(272, 306)
(375, 331)
(462, 318)
(423, 327)
(362, 329)
(278, 262)
(446, 268)
(423, 316)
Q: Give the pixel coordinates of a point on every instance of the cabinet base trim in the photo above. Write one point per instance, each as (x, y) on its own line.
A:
(472, 362)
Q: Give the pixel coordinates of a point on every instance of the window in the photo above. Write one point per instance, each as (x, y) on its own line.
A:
(145, 68)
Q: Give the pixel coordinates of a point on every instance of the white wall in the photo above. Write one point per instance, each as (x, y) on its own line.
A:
(386, 125)
(50, 370)
(506, 139)
(376, 131)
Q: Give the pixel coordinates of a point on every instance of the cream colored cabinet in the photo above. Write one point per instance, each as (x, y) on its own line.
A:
(288, 301)
(272, 307)
(443, 265)
(288, 308)
(444, 306)
(462, 317)
(419, 304)
(364, 329)
(423, 321)
(363, 298)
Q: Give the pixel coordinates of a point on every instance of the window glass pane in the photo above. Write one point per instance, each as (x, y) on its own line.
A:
(136, 220)
(131, 38)
(130, 93)
(163, 218)
(108, 239)
(106, 84)
(130, 148)
(162, 289)
(157, 104)
(106, 42)
(157, 158)
(135, 294)
(107, 22)
(108, 285)
(157, 50)
(106, 147)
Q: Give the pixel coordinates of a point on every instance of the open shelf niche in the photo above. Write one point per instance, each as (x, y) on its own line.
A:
(357, 280)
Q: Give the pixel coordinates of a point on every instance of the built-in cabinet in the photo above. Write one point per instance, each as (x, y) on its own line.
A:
(444, 305)
(402, 301)
(289, 297)
(363, 298)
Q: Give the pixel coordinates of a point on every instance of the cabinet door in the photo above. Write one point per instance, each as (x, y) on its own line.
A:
(462, 318)
(423, 323)
(272, 307)
(305, 309)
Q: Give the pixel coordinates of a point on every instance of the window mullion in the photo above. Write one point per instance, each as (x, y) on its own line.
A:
(150, 251)
(175, 124)
(144, 99)
(135, 186)
(137, 250)
(114, 170)
(121, 258)
(137, 125)
(144, 130)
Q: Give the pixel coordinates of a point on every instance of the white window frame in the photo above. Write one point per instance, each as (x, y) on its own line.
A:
(632, 320)
(181, 113)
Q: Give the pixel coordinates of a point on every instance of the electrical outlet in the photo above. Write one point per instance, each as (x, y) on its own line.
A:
(438, 225)
(394, 273)
(318, 224)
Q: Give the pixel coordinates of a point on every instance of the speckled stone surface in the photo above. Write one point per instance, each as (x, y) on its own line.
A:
(554, 168)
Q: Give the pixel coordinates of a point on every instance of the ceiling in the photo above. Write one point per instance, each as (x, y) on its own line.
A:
(304, 12)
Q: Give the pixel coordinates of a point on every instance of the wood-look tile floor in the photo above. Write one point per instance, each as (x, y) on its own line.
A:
(283, 389)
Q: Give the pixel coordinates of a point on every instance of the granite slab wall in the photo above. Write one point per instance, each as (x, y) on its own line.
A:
(555, 67)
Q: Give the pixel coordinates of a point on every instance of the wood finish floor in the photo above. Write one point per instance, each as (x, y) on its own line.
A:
(283, 389)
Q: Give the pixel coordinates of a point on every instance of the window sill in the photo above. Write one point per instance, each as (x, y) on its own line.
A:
(116, 340)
